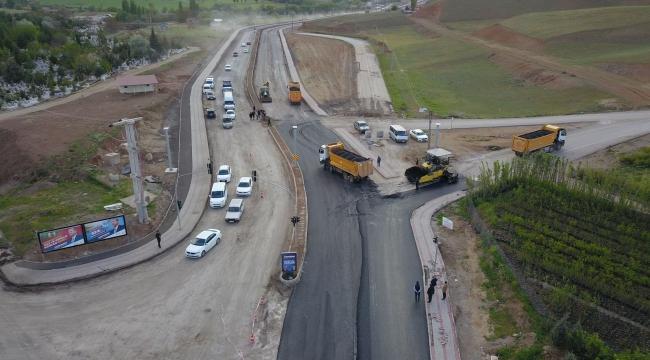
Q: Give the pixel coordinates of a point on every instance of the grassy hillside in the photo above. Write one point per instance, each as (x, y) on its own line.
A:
(545, 25)
(587, 238)
(450, 76)
(459, 10)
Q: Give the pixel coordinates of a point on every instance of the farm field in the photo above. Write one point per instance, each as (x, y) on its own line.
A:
(586, 238)
(452, 77)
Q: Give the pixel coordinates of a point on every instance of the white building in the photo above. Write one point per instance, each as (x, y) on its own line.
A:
(134, 84)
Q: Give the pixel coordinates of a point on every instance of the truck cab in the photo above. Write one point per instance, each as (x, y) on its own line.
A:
(323, 154)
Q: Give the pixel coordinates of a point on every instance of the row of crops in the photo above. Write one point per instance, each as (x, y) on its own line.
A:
(571, 231)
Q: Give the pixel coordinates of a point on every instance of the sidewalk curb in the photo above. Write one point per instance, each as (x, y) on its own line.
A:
(428, 251)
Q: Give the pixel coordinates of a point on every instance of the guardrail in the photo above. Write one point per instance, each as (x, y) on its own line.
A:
(299, 235)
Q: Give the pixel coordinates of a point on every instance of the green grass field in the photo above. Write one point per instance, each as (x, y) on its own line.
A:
(457, 79)
(545, 25)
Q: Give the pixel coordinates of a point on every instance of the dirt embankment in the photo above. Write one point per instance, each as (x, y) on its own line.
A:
(327, 69)
(34, 137)
(503, 35)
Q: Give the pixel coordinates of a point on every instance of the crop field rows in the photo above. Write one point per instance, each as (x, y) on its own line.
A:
(603, 252)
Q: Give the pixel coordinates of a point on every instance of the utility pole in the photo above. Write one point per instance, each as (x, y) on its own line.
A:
(170, 166)
(429, 137)
(136, 170)
(437, 135)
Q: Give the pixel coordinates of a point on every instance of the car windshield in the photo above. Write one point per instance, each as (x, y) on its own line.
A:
(244, 184)
(217, 194)
(233, 209)
(198, 242)
(400, 133)
(418, 132)
(223, 172)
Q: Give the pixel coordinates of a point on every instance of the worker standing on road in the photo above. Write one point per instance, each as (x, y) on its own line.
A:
(158, 238)
(378, 161)
(416, 289)
(444, 291)
(431, 290)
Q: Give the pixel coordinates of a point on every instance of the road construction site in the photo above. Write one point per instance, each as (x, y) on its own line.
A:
(366, 245)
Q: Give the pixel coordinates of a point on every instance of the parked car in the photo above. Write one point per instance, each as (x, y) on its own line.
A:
(230, 114)
(210, 113)
(245, 51)
(218, 195)
(235, 54)
(243, 44)
(248, 42)
(361, 126)
(419, 135)
(224, 174)
(228, 67)
(235, 210)
(245, 186)
(203, 243)
(210, 95)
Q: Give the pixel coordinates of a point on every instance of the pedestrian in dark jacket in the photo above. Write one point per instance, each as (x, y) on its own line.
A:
(378, 161)
(430, 291)
(416, 289)
(158, 238)
(434, 281)
(444, 291)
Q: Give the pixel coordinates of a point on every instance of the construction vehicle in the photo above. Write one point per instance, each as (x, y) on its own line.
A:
(336, 158)
(435, 167)
(295, 96)
(265, 95)
(548, 138)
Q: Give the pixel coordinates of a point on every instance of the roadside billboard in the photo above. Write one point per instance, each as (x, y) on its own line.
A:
(105, 229)
(62, 238)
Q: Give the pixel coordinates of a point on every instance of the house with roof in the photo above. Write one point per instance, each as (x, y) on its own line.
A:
(135, 84)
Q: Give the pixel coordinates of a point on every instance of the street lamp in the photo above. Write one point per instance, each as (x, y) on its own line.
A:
(423, 110)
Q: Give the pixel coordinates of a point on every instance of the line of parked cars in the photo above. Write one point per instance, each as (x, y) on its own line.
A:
(396, 132)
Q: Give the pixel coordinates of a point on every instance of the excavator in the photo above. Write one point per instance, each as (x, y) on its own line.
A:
(265, 95)
(433, 168)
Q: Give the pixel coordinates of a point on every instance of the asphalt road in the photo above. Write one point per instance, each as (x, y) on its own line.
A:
(170, 307)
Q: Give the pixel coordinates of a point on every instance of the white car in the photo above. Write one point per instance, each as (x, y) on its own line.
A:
(235, 210)
(224, 173)
(203, 242)
(228, 67)
(230, 114)
(419, 135)
(245, 51)
(245, 186)
(243, 44)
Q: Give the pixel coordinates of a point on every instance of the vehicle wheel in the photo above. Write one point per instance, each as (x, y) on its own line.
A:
(203, 253)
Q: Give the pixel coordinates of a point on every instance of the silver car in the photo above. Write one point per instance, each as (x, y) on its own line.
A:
(235, 210)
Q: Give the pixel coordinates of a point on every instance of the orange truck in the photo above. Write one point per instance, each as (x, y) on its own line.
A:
(548, 138)
(336, 158)
(295, 96)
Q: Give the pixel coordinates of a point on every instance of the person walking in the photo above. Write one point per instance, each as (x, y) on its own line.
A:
(378, 161)
(253, 108)
(434, 281)
(158, 238)
(444, 291)
(416, 289)
(431, 291)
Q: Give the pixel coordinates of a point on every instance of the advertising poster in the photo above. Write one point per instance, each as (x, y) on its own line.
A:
(289, 262)
(105, 229)
(63, 238)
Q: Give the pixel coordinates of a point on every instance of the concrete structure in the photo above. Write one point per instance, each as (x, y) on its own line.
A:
(135, 84)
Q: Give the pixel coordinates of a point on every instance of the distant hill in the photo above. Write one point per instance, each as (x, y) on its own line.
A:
(459, 10)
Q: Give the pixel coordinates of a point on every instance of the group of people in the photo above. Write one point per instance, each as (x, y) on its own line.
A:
(431, 290)
(257, 114)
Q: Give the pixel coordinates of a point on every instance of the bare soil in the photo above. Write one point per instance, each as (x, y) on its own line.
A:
(639, 72)
(533, 74)
(506, 36)
(328, 71)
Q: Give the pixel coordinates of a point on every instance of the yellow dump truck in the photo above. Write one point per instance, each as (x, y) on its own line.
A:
(548, 138)
(295, 96)
(336, 158)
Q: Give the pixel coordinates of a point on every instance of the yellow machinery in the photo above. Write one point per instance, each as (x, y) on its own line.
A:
(548, 138)
(433, 168)
(336, 158)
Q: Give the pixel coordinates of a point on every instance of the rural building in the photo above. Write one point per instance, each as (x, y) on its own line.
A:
(134, 84)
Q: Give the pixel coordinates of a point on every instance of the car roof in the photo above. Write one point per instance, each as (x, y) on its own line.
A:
(417, 130)
(361, 121)
(218, 186)
(222, 167)
(245, 178)
(236, 202)
(204, 234)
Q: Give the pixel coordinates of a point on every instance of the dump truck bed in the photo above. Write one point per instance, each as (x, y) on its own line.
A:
(351, 163)
(348, 155)
(535, 134)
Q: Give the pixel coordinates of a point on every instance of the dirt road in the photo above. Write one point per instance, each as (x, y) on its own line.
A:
(172, 307)
(637, 93)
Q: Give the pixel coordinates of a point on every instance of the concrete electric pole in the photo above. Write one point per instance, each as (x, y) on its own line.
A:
(170, 167)
(136, 170)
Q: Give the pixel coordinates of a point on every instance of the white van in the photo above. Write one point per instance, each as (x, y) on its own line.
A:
(207, 88)
(398, 133)
(228, 101)
(218, 195)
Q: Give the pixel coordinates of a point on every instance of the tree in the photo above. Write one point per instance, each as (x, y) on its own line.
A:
(154, 42)
(133, 9)
(139, 47)
(181, 15)
(125, 5)
(194, 7)
(413, 4)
